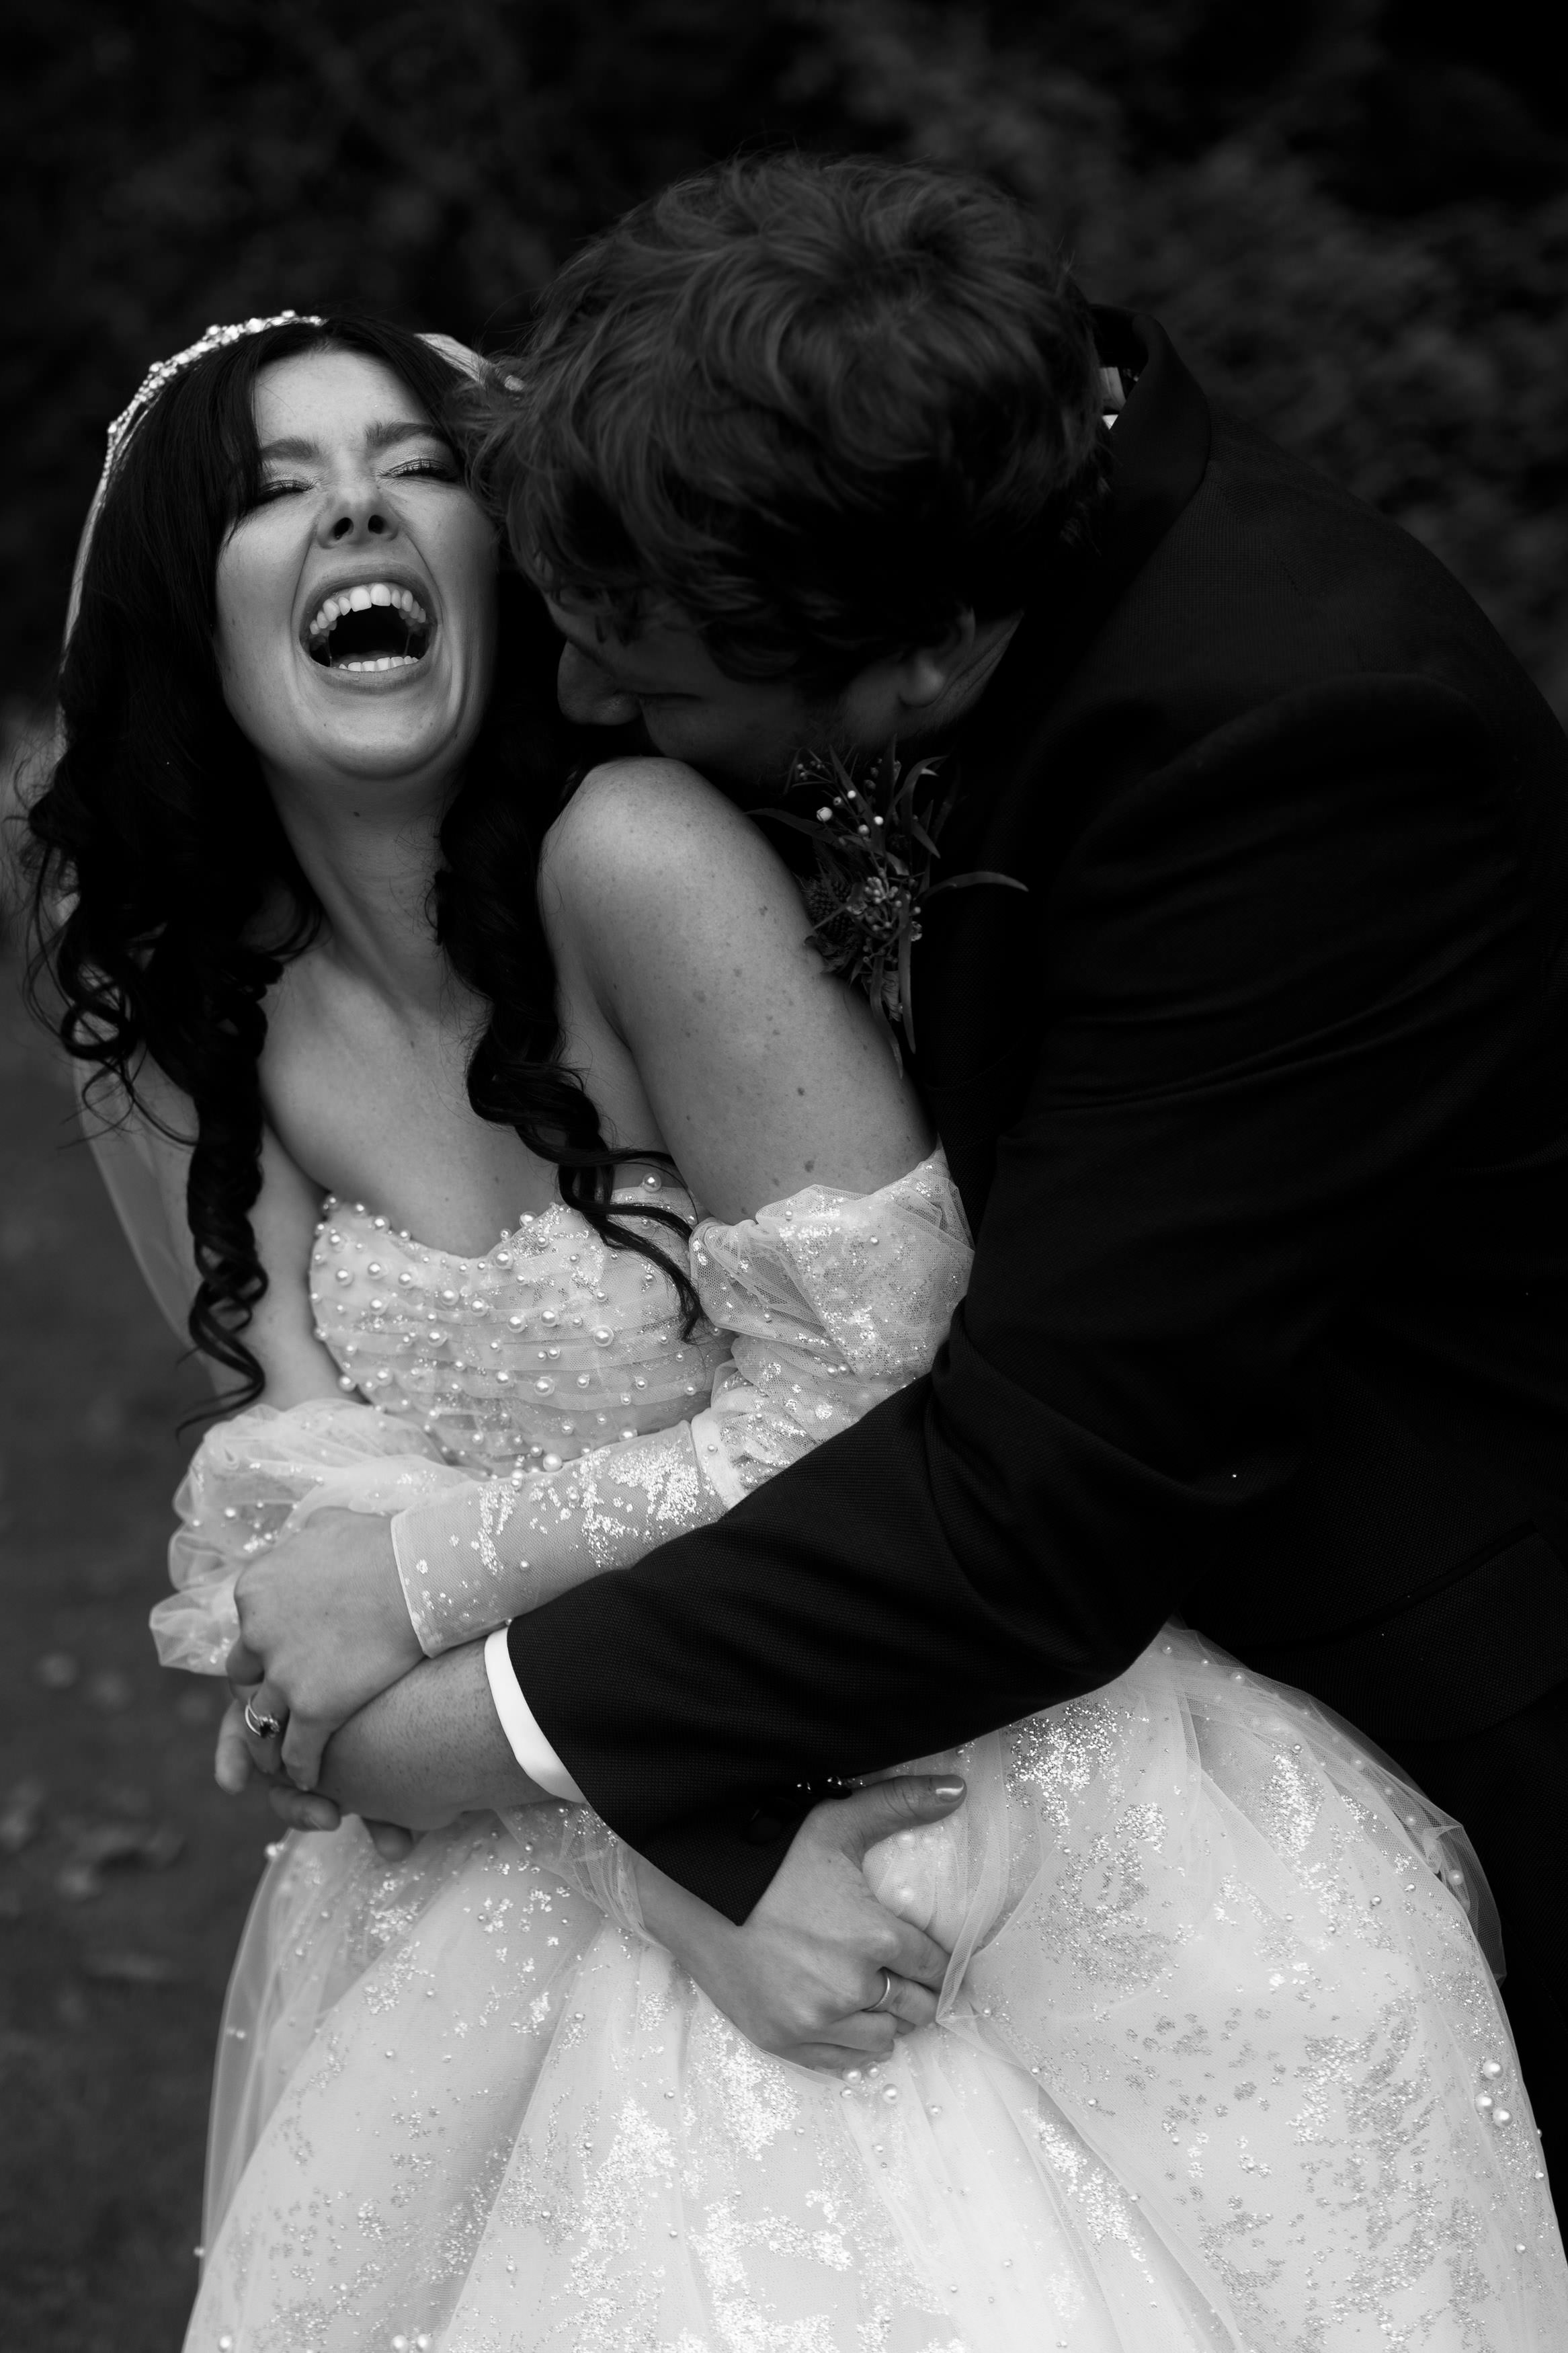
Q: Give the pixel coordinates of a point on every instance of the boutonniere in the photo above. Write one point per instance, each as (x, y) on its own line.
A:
(878, 834)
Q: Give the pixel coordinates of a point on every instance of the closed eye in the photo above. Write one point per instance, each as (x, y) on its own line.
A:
(440, 469)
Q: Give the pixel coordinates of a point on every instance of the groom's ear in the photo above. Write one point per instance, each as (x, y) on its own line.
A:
(926, 673)
(898, 694)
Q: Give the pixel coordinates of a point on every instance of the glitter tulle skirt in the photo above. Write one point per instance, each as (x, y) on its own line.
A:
(1220, 2064)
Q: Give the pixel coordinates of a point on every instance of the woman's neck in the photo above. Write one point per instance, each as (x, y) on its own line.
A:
(370, 860)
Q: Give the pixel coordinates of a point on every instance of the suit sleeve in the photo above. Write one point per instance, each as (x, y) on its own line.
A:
(1266, 984)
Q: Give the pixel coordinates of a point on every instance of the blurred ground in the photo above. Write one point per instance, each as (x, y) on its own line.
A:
(124, 1875)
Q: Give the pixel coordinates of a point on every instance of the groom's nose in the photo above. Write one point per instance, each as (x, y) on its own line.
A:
(588, 695)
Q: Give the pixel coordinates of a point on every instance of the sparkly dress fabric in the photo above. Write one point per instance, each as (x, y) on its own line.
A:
(1220, 2065)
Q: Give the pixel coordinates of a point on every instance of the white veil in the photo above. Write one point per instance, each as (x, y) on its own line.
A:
(121, 1144)
(140, 1167)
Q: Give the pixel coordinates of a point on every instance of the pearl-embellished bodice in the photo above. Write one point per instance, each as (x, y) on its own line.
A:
(547, 1345)
(535, 1414)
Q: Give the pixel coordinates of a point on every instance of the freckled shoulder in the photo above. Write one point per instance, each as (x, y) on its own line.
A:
(637, 828)
(682, 942)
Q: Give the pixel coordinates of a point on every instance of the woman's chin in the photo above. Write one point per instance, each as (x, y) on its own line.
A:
(415, 720)
(371, 736)
(372, 719)
(396, 753)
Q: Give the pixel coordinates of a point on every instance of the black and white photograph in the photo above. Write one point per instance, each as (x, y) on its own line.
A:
(783, 1177)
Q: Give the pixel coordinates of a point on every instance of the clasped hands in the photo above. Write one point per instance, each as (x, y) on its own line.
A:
(820, 1972)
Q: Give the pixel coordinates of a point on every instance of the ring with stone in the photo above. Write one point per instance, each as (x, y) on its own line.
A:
(264, 1727)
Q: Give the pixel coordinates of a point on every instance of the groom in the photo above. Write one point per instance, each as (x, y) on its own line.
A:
(1257, 1098)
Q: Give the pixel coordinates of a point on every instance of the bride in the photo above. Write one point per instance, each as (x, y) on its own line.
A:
(1218, 2063)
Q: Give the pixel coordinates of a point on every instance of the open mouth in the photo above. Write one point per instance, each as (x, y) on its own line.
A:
(374, 626)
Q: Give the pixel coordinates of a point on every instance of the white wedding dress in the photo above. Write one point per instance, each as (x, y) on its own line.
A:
(1220, 2063)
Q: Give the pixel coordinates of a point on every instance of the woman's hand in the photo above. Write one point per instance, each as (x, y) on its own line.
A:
(324, 1629)
(236, 1766)
(426, 1750)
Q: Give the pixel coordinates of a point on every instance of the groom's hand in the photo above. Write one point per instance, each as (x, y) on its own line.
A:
(804, 1976)
(324, 1629)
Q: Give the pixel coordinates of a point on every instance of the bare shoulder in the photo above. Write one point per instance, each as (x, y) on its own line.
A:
(678, 927)
(637, 825)
(652, 880)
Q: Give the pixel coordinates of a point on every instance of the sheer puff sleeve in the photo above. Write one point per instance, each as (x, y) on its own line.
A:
(830, 1301)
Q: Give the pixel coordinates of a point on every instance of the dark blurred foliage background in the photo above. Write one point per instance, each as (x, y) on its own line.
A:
(1352, 213)
(1354, 216)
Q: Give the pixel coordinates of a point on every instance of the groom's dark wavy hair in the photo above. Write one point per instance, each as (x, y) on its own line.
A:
(166, 900)
(820, 405)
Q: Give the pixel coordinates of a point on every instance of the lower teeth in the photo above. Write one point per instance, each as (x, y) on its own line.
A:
(385, 661)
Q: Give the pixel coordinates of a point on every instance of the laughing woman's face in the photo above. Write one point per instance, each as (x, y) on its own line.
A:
(356, 602)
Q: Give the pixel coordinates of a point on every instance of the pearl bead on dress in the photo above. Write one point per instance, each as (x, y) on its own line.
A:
(494, 1403)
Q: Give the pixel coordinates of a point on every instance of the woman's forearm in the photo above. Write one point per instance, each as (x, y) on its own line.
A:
(477, 1555)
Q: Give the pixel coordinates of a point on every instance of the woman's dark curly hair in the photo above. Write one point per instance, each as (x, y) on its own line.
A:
(156, 857)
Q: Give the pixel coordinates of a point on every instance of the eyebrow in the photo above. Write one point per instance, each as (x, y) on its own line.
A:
(384, 435)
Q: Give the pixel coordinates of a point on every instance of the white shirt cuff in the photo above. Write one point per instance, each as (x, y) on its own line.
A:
(524, 1738)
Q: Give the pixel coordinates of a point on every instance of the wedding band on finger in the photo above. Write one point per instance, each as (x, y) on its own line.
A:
(885, 1996)
(268, 1727)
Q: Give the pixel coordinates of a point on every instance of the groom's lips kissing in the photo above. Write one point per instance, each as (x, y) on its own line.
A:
(370, 624)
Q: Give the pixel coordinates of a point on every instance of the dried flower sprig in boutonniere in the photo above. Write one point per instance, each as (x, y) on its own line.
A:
(877, 836)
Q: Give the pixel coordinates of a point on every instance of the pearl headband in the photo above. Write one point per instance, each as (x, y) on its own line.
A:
(214, 339)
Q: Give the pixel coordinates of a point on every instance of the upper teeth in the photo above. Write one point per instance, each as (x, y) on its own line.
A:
(360, 598)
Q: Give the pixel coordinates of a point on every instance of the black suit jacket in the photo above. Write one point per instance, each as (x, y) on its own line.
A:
(1258, 1102)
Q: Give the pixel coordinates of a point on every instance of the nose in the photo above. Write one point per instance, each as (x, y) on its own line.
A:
(587, 693)
(355, 510)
